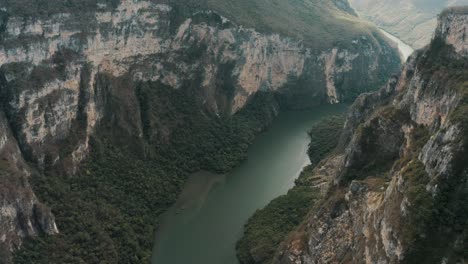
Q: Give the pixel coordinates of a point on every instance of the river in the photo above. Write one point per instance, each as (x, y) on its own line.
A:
(405, 49)
(207, 220)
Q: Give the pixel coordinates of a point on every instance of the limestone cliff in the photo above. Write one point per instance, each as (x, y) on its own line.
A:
(57, 59)
(62, 73)
(21, 214)
(398, 190)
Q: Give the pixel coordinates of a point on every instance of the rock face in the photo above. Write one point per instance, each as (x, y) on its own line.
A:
(55, 73)
(60, 57)
(452, 27)
(21, 214)
(398, 195)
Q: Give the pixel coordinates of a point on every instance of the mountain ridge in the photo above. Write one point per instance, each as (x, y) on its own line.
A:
(398, 191)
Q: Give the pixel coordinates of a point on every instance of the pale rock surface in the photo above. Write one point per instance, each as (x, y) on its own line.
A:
(363, 217)
(56, 71)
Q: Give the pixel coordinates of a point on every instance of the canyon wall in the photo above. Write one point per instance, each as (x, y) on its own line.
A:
(62, 74)
(398, 190)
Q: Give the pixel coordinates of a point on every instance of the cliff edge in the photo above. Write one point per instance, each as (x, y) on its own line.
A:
(399, 191)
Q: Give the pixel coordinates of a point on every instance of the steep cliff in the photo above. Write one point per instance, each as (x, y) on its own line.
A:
(413, 21)
(21, 213)
(97, 96)
(398, 190)
(57, 59)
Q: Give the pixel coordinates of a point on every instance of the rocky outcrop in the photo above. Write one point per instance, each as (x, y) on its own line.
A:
(61, 56)
(60, 75)
(397, 195)
(453, 28)
(21, 214)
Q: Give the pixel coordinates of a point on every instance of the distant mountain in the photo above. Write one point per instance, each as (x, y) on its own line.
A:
(413, 21)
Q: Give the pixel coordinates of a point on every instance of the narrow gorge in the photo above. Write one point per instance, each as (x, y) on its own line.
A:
(394, 188)
(108, 106)
(138, 131)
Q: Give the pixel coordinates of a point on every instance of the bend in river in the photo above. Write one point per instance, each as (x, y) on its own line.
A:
(208, 219)
(405, 49)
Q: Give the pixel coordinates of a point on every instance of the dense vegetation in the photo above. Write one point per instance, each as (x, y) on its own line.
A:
(323, 137)
(95, 209)
(436, 221)
(202, 139)
(108, 212)
(269, 226)
(435, 226)
(375, 160)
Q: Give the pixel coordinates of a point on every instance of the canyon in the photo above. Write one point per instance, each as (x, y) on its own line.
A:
(205, 223)
(397, 190)
(108, 106)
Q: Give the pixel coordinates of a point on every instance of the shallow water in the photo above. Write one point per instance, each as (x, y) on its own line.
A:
(208, 219)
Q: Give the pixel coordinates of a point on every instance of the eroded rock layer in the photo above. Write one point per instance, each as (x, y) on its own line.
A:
(63, 73)
(398, 194)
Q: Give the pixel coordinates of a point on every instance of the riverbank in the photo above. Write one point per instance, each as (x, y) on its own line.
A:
(206, 231)
(269, 226)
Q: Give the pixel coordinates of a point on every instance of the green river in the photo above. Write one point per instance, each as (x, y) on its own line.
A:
(205, 223)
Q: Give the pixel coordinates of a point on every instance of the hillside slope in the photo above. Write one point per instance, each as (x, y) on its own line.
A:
(412, 21)
(398, 189)
(319, 24)
(112, 104)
